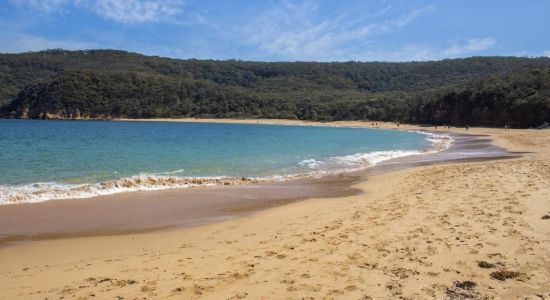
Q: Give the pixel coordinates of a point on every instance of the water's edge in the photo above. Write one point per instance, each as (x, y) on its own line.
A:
(175, 208)
(46, 191)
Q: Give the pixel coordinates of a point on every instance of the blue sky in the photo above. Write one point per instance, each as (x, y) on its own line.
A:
(269, 30)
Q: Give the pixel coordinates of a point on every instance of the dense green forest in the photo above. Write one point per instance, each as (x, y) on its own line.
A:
(490, 91)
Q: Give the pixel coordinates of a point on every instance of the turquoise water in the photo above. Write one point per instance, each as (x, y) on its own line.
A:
(41, 160)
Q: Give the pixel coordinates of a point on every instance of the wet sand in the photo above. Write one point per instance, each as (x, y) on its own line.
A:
(153, 210)
(150, 210)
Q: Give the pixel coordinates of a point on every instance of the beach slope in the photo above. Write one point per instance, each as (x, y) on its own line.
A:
(474, 230)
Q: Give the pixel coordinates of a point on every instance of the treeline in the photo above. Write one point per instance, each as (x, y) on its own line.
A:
(107, 94)
(489, 91)
(520, 99)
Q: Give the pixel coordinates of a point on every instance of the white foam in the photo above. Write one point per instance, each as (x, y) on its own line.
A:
(38, 192)
(170, 172)
(42, 191)
(355, 161)
(310, 163)
(376, 157)
(439, 141)
(352, 162)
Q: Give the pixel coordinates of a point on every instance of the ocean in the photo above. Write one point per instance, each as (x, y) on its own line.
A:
(44, 160)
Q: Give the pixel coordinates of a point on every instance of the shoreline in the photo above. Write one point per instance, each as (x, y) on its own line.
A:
(355, 123)
(142, 211)
(418, 232)
(144, 182)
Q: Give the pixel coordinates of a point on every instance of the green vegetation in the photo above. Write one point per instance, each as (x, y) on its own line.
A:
(521, 99)
(490, 91)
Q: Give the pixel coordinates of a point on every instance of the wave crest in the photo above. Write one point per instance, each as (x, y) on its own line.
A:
(38, 192)
(361, 160)
(43, 191)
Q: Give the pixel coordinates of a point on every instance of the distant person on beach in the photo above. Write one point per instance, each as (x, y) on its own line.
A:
(398, 124)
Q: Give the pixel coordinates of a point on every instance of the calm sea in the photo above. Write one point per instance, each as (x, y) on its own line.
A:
(42, 160)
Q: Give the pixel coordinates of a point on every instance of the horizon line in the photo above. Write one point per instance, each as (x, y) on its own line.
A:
(273, 61)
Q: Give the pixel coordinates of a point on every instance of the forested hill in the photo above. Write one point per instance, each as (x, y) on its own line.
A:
(106, 83)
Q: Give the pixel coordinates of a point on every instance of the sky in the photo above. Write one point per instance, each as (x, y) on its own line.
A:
(269, 30)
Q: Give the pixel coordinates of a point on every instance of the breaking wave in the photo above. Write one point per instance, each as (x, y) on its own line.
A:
(43, 191)
(362, 160)
(38, 192)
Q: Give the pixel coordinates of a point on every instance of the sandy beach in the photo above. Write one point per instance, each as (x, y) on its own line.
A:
(455, 230)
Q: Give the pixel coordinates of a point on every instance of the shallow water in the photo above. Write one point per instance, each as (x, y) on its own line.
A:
(43, 160)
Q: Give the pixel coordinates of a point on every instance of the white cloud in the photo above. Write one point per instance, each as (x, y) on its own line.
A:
(294, 31)
(472, 45)
(43, 6)
(290, 30)
(546, 53)
(20, 42)
(138, 11)
(428, 52)
(125, 11)
(405, 53)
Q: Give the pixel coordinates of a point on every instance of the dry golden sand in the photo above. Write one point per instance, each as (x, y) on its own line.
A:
(416, 233)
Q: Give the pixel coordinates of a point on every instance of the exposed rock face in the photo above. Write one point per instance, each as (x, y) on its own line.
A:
(26, 113)
(53, 116)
